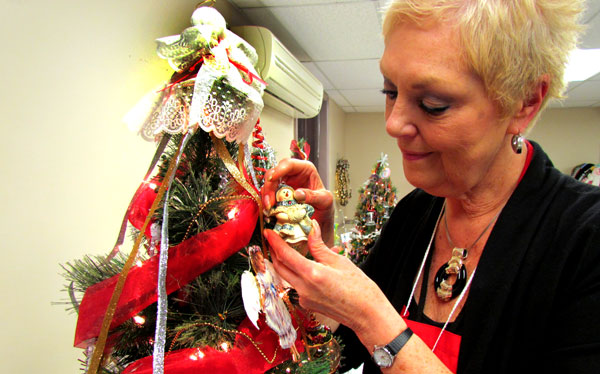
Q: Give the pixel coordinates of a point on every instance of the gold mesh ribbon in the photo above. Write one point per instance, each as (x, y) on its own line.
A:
(112, 305)
(238, 175)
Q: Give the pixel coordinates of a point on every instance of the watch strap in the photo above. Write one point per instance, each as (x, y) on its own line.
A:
(396, 345)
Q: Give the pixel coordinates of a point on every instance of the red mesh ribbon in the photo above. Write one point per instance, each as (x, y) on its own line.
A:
(187, 260)
(243, 358)
(141, 204)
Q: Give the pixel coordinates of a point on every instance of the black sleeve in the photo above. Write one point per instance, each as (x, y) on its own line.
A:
(377, 266)
(353, 352)
(574, 332)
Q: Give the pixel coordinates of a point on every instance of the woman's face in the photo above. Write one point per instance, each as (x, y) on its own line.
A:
(448, 130)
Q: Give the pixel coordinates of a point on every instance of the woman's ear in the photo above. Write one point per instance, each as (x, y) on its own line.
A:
(530, 106)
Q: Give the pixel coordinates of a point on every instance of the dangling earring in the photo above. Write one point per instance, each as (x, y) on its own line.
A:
(517, 143)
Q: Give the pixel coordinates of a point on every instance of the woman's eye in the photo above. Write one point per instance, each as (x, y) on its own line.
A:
(390, 94)
(433, 109)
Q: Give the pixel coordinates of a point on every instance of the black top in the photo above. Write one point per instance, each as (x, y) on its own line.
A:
(534, 304)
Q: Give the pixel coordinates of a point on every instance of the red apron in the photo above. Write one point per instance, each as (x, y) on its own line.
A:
(447, 347)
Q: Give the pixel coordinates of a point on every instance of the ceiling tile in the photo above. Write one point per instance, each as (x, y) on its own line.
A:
(557, 104)
(265, 17)
(366, 97)
(339, 41)
(595, 77)
(352, 73)
(338, 98)
(591, 37)
(319, 75)
(337, 31)
(592, 9)
(282, 3)
(586, 91)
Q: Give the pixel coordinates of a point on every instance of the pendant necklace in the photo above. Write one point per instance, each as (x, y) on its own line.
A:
(447, 291)
(462, 293)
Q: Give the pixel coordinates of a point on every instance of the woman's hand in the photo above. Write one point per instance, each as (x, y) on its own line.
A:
(331, 284)
(304, 178)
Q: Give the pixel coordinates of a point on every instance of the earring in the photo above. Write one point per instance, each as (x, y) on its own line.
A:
(517, 143)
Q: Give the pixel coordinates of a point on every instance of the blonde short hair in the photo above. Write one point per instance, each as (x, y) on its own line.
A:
(509, 44)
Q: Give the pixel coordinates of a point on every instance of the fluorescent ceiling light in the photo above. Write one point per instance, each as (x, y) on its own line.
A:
(583, 64)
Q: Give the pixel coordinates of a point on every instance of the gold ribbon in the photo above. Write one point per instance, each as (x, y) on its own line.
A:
(239, 177)
(254, 343)
(112, 305)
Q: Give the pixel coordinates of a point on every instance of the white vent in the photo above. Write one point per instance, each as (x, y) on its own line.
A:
(292, 89)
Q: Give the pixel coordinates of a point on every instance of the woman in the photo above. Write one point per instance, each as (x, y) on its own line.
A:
(462, 81)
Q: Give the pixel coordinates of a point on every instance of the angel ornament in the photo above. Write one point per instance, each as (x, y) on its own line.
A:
(293, 219)
(263, 293)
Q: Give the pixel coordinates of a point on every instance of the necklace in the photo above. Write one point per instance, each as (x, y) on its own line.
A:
(414, 287)
(447, 291)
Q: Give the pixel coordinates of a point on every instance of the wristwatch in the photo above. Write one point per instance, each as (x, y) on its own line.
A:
(384, 355)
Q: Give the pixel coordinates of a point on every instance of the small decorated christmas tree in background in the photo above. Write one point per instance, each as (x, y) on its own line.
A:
(377, 198)
(175, 303)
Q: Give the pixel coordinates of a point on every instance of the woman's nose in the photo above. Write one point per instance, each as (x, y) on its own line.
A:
(398, 122)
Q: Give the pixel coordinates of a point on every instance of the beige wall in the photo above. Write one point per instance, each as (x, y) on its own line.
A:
(570, 136)
(365, 140)
(278, 130)
(71, 70)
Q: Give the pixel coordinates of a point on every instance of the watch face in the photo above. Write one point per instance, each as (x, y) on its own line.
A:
(382, 357)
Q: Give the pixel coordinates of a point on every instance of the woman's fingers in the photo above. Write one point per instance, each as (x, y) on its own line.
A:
(319, 199)
(286, 255)
(320, 251)
(296, 173)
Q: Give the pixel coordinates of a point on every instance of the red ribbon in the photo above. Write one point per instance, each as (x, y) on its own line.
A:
(243, 358)
(187, 261)
(250, 74)
(141, 204)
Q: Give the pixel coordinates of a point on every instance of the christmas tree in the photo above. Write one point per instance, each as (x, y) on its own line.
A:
(377, 198)
(175, 303)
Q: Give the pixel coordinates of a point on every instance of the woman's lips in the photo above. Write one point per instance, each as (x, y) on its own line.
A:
(414, 156)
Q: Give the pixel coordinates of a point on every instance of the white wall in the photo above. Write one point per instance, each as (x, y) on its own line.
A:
(71, 70)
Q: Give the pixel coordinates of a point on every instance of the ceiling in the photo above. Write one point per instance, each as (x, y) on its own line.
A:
(340, 42)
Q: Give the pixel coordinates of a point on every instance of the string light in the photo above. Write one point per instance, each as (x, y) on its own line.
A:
(233, 212)
(225, 346)
(139, 320)
(198, 355)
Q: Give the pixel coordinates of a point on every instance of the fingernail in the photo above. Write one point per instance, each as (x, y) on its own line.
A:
(316, 227)
(300, 195)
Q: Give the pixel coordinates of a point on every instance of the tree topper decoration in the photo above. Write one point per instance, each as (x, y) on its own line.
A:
(214, 87)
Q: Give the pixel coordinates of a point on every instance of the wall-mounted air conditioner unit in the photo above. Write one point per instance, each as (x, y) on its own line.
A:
(292, 89)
